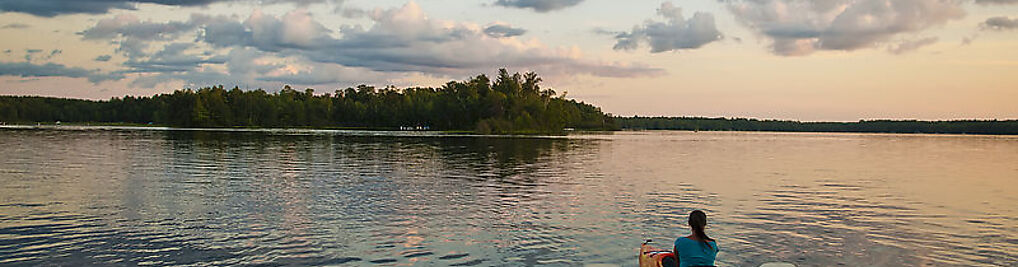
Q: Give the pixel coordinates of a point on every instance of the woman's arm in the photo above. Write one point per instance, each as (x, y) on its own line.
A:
(675, 252)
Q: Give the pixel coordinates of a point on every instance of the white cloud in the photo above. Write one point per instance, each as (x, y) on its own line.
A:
(800, 27)
(296, 29)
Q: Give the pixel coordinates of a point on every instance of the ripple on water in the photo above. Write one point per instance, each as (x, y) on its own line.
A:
(326, 198)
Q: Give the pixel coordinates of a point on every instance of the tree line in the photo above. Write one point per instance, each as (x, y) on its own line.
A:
(878, 126)
(511, 103)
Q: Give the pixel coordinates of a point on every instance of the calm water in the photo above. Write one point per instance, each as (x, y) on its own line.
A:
(159, 197)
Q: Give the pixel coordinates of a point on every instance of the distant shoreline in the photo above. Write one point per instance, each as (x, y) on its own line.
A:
(128, 126)
(974, 127)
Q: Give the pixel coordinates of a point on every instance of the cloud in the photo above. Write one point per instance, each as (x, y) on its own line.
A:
(129, 26)
(317, 74)
(675, 34)
(27, 69)
(1000, 23)
(911, 45)
(405, 39)
(297, 49)
(133, 36)
(15, 26)
(965, 41)
(50, 8)
(801, 27)
(30, 54)
(242, 65)
(347, 11)
(294, 30)
(538, 5)
(103, 58)
(997, 2)
(172, 58)
(502, 30)
(401, 39)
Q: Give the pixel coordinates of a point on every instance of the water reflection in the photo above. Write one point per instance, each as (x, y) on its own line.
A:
(143, 197)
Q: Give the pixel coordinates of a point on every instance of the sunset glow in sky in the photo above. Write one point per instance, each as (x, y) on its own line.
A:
(787, 59)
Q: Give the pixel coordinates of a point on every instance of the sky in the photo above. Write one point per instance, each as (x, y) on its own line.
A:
(811, 60)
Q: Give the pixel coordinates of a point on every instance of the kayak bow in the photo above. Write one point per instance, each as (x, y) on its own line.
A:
(653, 257)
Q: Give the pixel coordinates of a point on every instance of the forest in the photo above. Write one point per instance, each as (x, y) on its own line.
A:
(511, 104)
(874, 126)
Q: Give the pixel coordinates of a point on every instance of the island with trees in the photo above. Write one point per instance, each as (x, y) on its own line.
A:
(510, 104)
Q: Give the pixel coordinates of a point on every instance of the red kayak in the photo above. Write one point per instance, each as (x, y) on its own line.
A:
(654, 257)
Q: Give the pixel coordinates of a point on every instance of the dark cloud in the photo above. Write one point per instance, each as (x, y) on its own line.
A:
(50, 8)
(297, 2)
(675, 34)
(538, 5)
(27, 69)
(501, 30)
(129, 26)
(800, 27)
(241, 64)
(30, 53)
(14, 26)
(347, 11)
(172, 58)
(997, 2)
(1000, 23)
(103, 58)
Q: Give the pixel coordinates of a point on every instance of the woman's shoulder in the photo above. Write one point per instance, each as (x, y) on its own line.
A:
(690, 238)
(686, 239)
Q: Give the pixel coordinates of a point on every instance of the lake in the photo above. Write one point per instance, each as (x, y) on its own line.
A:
(152, 196)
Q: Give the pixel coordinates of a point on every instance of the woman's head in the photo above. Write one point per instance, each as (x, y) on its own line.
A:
(698, 221)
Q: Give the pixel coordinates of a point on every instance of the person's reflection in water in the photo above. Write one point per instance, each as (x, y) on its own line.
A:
(697, 249)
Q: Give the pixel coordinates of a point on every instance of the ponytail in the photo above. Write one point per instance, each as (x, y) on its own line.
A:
(698, 221)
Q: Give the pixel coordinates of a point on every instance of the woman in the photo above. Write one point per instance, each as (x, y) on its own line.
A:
(697, 249)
